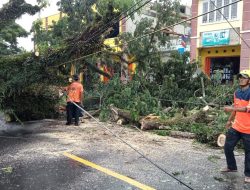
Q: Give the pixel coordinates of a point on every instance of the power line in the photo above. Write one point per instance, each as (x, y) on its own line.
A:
(128, 16)
(110, 22)
(125, 142)
(230, 24)
(114, 19)
(136, 38)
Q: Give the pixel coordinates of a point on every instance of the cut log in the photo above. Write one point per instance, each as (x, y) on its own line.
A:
(162, 127)
(121, 121)
(180, 134)
(153, 122)
(150, 122)
(91, 112)
(117, 113)
(149, 125)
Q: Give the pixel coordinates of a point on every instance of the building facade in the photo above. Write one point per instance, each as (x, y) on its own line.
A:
(180, 34)
(216, 44)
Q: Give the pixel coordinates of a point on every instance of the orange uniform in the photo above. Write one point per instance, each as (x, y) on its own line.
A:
(242, 119)
(75, 91)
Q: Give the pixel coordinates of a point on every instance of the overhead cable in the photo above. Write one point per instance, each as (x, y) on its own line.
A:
(119, 18)
(136, 38)
(125, 142)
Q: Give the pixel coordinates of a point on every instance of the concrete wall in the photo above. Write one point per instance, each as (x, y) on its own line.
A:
(131, 24)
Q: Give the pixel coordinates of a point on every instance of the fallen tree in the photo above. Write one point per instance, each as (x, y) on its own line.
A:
(152, 121)
(194, 116)
(205, 125)
(181, 134)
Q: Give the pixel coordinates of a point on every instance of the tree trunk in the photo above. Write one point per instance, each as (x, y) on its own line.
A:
(117, 113)
(153, 122)
(181, 134)
(92, 112)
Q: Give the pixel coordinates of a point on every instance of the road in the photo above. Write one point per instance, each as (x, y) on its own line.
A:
(49, 155)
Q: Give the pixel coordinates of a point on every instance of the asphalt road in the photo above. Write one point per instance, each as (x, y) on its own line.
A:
(49, 155)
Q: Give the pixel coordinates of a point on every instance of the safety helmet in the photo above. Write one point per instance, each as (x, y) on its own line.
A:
(244, 73)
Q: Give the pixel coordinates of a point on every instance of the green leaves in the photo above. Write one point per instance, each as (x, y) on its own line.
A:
(27, 88)
(132, 97)
(9, 30)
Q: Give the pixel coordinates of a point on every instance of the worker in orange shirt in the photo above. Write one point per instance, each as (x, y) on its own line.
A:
(75, 94)
(240, 127)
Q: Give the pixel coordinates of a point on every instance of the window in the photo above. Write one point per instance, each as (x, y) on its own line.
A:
(183, 9)
(205, 9)
(218, 13)
(230, 12)
(226, 9)
(234, 10)
(211, 8)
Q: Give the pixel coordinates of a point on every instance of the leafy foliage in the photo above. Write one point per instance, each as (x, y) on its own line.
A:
(27, 83)
(26, 88)
(9, 30)
(81, 31)
(209, 133)
(221, 94)
(131, 96)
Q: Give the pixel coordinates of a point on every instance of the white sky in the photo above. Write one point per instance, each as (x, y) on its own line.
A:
(26, 20)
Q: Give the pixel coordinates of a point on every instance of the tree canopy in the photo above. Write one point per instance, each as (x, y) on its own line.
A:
(9, 29)
(82, 31)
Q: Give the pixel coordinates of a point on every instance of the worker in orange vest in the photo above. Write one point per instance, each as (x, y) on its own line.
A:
(239, 125)
(75, 96)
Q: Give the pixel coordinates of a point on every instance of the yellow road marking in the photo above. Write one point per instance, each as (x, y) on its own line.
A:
(109, 172)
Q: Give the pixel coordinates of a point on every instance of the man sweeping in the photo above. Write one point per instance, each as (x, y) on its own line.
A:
(239, 125)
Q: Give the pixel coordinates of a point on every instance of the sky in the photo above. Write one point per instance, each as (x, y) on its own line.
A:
(26, 20)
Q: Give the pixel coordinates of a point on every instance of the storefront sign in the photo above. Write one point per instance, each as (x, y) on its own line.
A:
(214, 38)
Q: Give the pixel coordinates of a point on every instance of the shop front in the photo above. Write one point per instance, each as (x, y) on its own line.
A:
(225, 60)
(220, 52)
